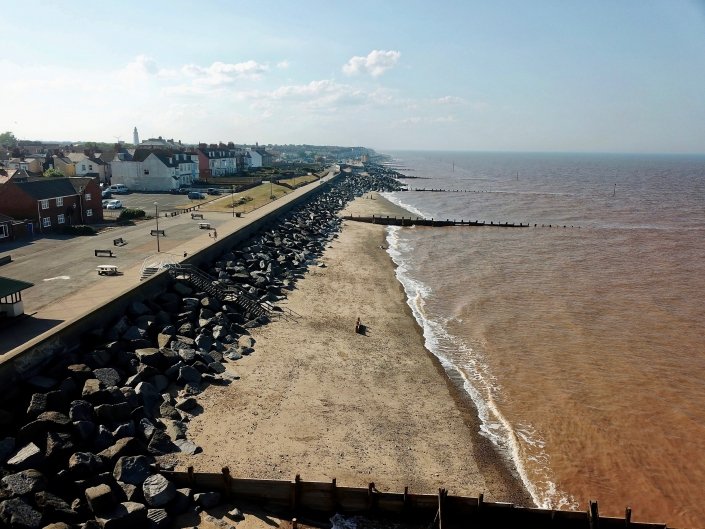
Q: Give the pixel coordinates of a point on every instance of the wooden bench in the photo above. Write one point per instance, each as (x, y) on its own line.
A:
(197, 216)
(5, 259)
(157, 232)
(107, 270)
(119, 242)
(107, 253)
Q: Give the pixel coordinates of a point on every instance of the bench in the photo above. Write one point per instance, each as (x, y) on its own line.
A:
(5, 259)
(157, 232)
(107, 270)
(119, 242)
(197, 216)
(108, 253)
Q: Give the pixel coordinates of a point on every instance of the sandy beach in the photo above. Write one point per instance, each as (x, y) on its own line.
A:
(317, 399)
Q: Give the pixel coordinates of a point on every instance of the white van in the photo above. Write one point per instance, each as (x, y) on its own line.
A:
(119, 189)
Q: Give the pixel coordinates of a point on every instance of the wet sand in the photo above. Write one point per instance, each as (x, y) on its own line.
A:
(317, 399)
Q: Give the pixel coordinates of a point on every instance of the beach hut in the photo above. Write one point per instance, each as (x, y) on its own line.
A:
(11, 297)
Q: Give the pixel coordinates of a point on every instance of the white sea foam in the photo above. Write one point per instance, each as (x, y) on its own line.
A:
(394, 198)
(480, 384)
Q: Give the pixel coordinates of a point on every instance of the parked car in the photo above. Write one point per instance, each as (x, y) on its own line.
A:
(113, 204)
(213, 191)
(196, 195)
(181, 191)
(119, 189)
(106, 193)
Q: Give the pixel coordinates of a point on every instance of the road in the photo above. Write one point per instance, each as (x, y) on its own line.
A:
(63, 269)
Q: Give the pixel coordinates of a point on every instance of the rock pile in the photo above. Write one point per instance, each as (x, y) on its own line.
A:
(79, 441)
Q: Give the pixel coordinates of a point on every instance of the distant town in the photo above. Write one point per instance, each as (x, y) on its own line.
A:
(47, 186)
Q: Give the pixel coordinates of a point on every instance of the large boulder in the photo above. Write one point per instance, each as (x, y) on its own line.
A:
(126, 515)
(100, 498)
(25, 482)
(108, 376)
(16, 512)
(158, 491)
(132, 469)
(26, 457)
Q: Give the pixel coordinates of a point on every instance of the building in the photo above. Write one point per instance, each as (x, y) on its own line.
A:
(53, 202)
(215, 161)
(11, 304)
(255, 158)
(160, 144)
(135, 138)
(153, 170)
(7, 232)
(86, 165)
(64, 164)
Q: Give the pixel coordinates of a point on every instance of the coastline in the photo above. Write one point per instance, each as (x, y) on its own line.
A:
(317, 399)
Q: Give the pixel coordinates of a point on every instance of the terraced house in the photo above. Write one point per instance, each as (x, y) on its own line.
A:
(153, 170)
(53, 202)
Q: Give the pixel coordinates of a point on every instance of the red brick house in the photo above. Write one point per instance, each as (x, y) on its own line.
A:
(53, 202)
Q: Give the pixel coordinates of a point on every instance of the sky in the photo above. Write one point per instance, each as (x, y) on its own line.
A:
(504, 75)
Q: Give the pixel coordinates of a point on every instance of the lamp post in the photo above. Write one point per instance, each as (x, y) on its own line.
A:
(232, 198)
(156, 216)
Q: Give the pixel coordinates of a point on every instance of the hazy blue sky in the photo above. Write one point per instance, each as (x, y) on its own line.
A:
(539, 75)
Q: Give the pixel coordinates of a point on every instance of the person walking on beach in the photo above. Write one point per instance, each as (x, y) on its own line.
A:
(215, 234)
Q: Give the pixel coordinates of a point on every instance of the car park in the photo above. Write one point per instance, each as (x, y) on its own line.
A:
(113, 204)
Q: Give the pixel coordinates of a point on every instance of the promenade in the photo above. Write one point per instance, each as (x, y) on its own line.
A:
(67, 285)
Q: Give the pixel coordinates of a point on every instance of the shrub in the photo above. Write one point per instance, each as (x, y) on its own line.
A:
(129, 214)
(80, 229)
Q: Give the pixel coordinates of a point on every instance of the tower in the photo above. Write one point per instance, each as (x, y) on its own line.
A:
(135, 137)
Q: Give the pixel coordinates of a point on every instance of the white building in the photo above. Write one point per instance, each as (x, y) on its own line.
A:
(149, 170)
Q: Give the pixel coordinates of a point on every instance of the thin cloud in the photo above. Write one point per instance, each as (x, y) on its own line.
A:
(450, 100)
(375, 63)
(220, 73)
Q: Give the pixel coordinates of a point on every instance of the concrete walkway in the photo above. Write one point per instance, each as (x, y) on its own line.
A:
(50, 315)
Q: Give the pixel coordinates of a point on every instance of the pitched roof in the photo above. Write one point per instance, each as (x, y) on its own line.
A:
(44, 188)
(12, 286)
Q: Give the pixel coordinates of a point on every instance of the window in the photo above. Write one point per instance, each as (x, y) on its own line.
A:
(83, 167)
(146, 171)
(46, 222)
(88, 196)
(60, 218)
(45, 204)
(89, 213)
(60, 201)
(4, 232)
(90, 167)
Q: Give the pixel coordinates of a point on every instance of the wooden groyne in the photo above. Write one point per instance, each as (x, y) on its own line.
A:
(317, 500)
(418, 221)
(426, 190)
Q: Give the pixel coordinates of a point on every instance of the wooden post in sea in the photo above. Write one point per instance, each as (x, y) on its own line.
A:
(594, 515)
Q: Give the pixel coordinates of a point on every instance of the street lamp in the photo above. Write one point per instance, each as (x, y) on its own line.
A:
(156, 216)
(232, 198)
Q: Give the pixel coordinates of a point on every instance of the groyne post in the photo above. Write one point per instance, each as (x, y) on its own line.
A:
(227, 482)
(594, 515)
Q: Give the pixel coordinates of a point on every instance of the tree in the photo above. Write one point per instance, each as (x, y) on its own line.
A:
(53, 172)
(7, 139)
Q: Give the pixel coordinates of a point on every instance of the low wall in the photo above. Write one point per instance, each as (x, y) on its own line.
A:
(70, 335)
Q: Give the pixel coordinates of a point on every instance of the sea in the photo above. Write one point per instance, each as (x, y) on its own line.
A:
(581, 338)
